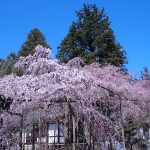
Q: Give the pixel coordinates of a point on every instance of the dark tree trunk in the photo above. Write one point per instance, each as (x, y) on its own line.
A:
(46, 147)
(87, 136)
(33, 137)
(21, 129)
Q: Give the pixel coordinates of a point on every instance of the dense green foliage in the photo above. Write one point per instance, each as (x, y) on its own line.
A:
(1, 63)
(6, 66)
(130, 130)
(91, 38)
(34, 38)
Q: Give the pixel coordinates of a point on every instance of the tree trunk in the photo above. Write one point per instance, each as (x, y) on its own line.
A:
(39, 142)
(74, 134)
(77, 131)
(87, 136)
(21, 130)
(68, 128)
(46, 145)
(23, 138)
(33, 137)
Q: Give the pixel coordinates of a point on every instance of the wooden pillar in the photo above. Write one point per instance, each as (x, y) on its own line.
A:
(87, 135)
(93, 146)
(122, 128)
(77, 131)
(33, 137)
(47, 136)
(74, 134)
(68, 128)
(39, 125)
(123, 139)
(23, 138)
(21, 130)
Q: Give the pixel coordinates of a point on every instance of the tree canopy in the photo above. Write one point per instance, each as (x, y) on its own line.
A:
(34, 38)
(94, 92)
(91, 38)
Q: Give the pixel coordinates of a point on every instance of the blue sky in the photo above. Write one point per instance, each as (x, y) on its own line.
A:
(130, 20)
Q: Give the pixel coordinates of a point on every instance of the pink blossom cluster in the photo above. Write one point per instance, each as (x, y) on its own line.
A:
(94, 91)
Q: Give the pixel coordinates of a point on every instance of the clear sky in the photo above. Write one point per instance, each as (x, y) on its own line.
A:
(130, 20)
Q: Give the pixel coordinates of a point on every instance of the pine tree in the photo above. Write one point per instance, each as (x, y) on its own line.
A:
(1, 66)
(91, 38)
(1, 63)
(6, 66)
(145, 74)
(34, 38)
(130, 130)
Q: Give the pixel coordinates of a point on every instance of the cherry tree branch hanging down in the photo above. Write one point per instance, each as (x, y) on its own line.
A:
(45, 83)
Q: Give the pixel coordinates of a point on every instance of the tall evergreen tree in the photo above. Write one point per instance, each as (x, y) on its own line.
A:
(91, 38)
(6, 66)
(1, 63)
(130, 130)
(34, 38)
(145, 74)
(1, 66)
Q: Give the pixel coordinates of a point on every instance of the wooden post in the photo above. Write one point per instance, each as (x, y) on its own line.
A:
(122, 128)
(123, 139)
(87, 135)
(77, 131)
(23, 138)
(21, 129)
(39, 145)
(33, 137)
(74, 134)
(47, 136)
(93, 146)
(67, 128)
(54, 138)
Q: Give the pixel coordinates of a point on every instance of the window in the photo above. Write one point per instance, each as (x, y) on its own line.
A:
(31, 134)
(55, 133)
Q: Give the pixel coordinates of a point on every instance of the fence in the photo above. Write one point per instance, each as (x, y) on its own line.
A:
(79, 146)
